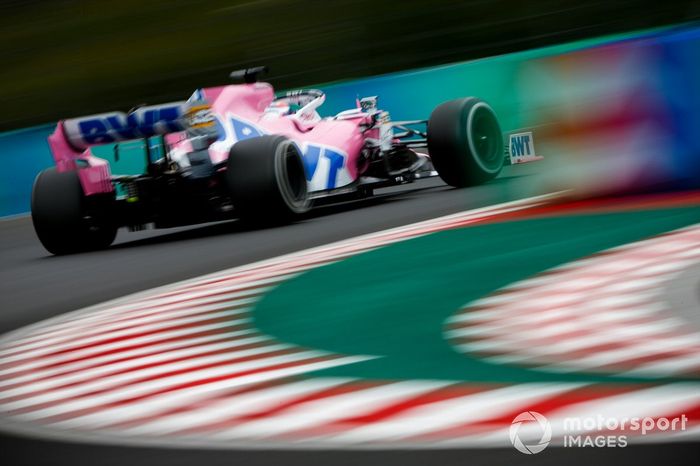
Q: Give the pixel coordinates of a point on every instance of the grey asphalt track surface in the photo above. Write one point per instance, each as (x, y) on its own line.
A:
(35, 286)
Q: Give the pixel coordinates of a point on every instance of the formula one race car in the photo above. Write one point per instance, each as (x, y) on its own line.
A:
(238, 151)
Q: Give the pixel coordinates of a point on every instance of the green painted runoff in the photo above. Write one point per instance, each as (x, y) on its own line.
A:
(393, 302)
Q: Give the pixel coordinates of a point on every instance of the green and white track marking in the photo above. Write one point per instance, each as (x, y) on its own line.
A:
(412, 337)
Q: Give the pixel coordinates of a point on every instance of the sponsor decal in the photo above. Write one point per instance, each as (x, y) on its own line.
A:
(200, 116)
(111, 127)
(331, 159)
(522, 148)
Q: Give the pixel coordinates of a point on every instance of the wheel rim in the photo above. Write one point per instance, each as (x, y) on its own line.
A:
(485, 139)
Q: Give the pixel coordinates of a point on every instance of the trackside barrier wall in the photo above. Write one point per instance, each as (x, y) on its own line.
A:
(23, 154)
(618, 112)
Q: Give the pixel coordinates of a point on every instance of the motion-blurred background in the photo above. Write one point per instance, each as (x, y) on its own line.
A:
(62, 58)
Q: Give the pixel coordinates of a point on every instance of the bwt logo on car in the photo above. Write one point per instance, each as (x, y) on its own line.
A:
(312, 154)
(521, 148)
(520, 144)
(111, 127)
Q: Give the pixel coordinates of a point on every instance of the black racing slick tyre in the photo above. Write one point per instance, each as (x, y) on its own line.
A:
(267, 181)
(465, 142)
(64, 220)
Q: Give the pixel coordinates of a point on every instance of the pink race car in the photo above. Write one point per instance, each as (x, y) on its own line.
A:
(239, 151)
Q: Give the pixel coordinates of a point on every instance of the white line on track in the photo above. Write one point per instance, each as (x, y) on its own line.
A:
(182, 397)
(142, 341)
(453, 412)
(62, 402)
(318, 412)
(238, 406)
(98, 377)
(110, 361)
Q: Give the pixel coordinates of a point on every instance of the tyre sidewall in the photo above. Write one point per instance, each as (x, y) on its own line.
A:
(258, 179)
(297, 202)
(452, 147)
(58, 208)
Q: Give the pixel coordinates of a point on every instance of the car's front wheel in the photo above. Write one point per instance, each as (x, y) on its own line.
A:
(465, 142)
(62, 217)
(266, 180)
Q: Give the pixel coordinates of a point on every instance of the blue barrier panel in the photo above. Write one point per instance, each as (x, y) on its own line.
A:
(23, 153)
(679, 76)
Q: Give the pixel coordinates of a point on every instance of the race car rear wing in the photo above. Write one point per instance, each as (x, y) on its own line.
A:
(72, 139)
(141, 122)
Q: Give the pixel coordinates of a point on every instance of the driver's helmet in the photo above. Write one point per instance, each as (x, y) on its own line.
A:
(199, 121)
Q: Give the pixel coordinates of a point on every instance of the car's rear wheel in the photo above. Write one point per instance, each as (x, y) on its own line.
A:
(64, 220)
(465, 142)
(266, 179)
